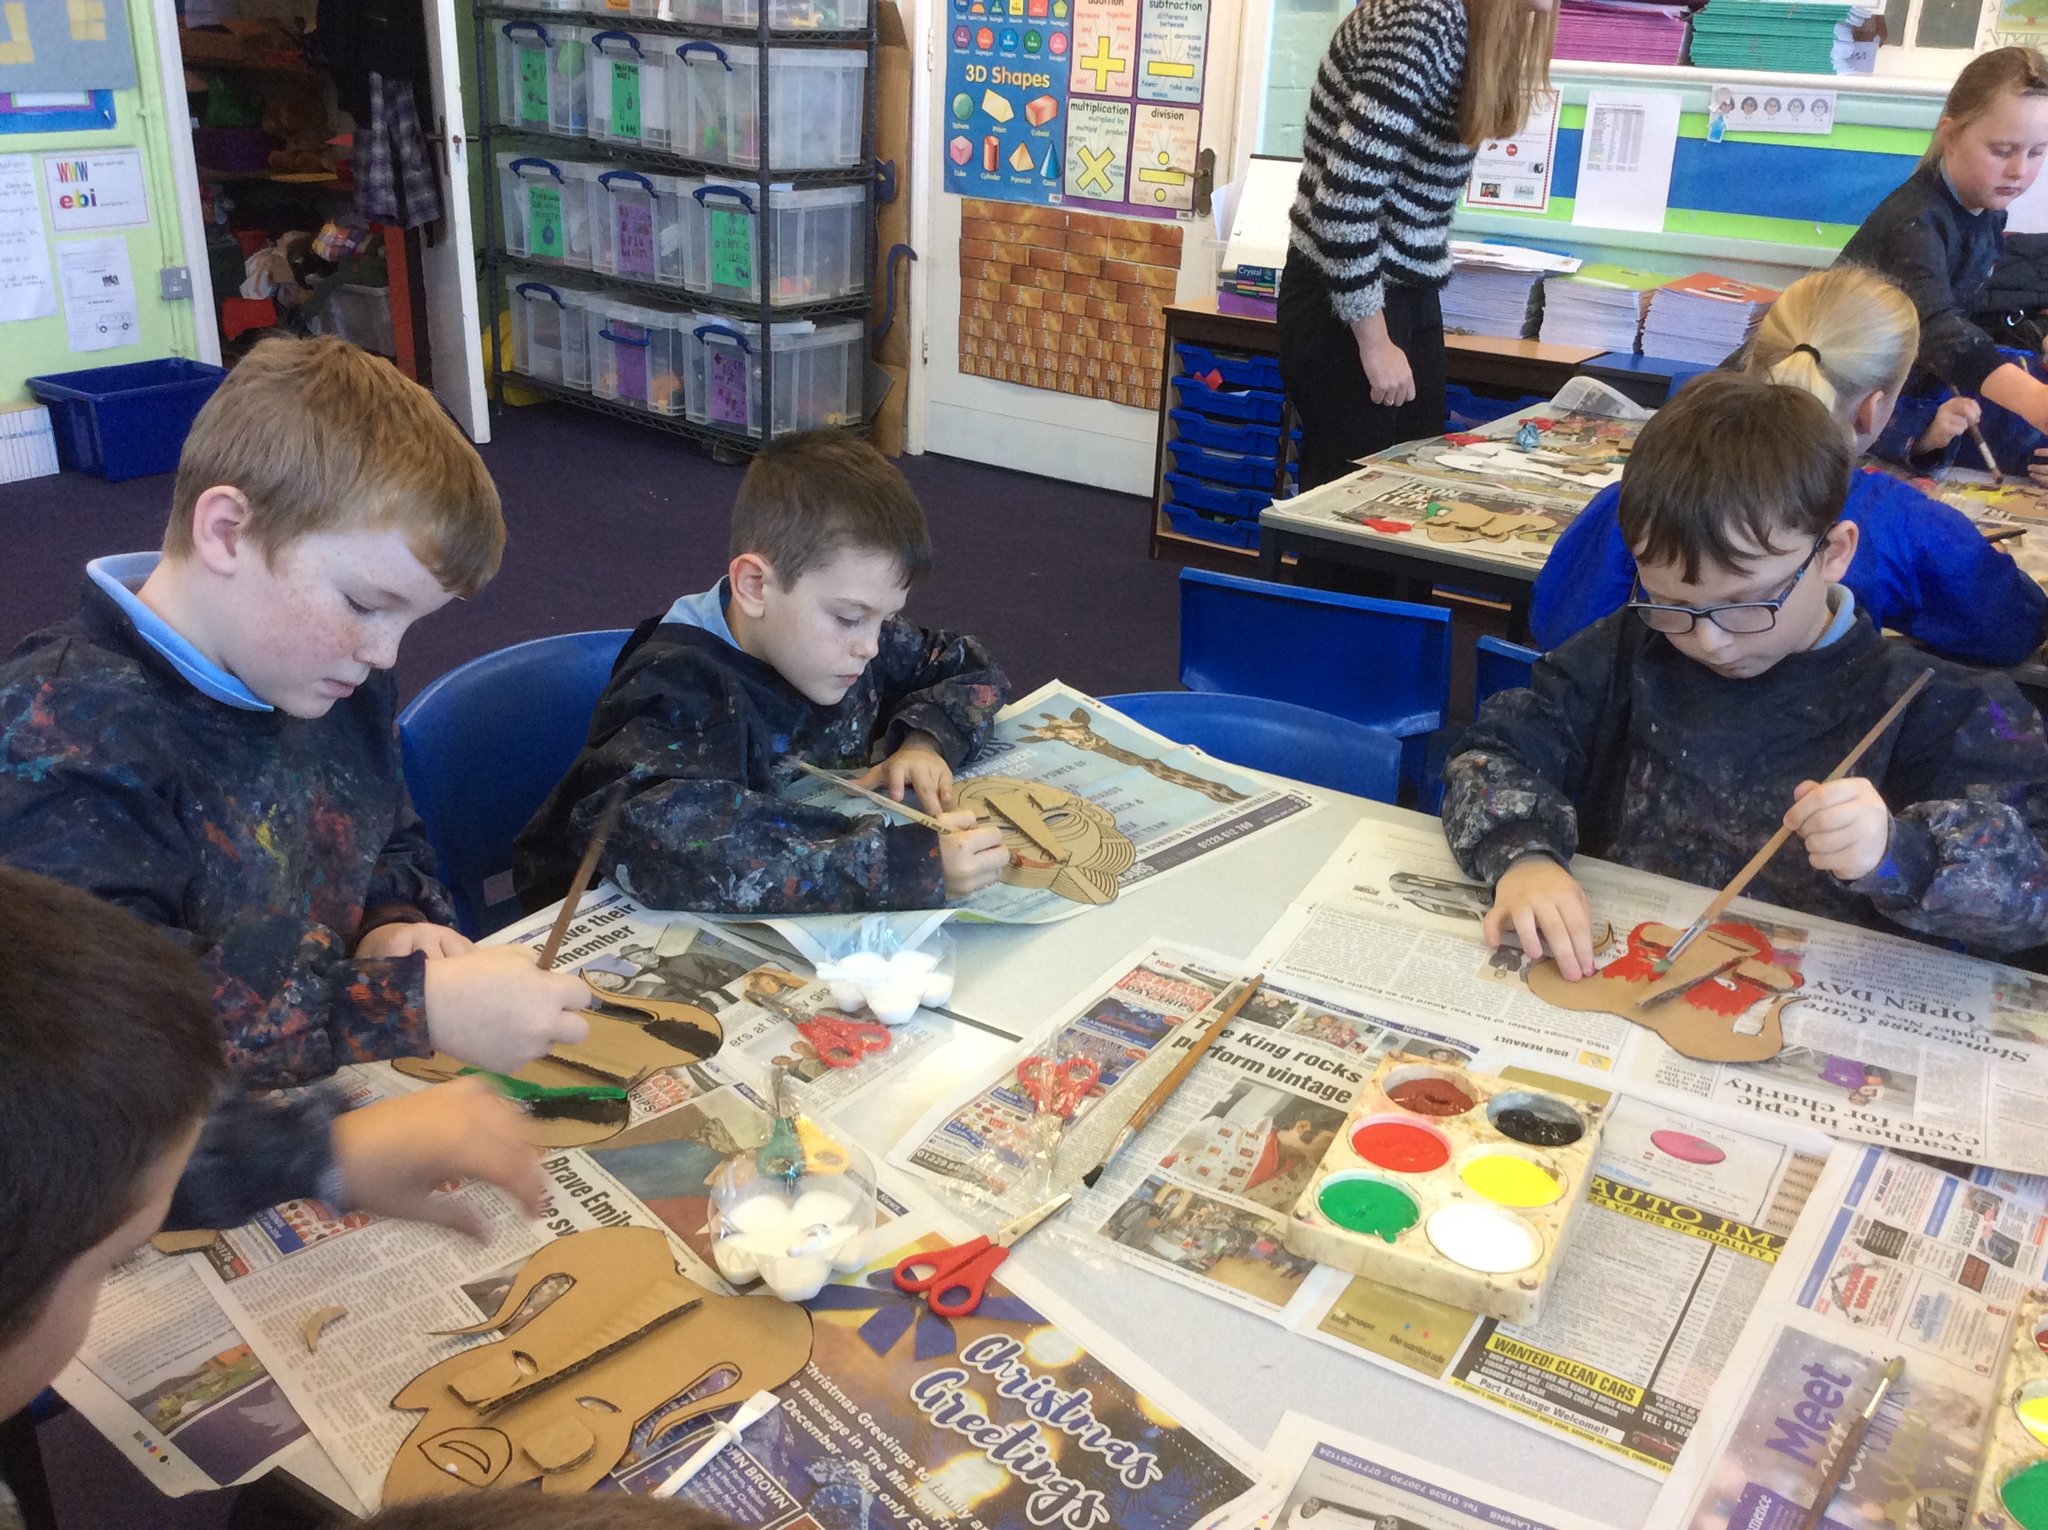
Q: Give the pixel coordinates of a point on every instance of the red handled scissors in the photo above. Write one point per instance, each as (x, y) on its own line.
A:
(955, 1279)
(1058, 1087)
(841, 1042)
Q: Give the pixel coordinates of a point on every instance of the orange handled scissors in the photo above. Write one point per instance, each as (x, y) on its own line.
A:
(955, 1279)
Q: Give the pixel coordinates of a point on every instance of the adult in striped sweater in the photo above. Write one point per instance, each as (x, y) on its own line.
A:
(1407, 92)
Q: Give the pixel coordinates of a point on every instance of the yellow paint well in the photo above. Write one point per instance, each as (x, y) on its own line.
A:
(1507, 1180)
(2033, 1412)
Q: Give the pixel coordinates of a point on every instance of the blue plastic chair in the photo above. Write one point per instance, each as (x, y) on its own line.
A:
(1383, 663)
(1276, 736)
(485, 744)
(1499, 665)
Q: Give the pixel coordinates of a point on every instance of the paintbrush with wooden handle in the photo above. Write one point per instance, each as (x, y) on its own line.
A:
(1163, 1091)
(879, 799)
(1851, 1443)
(1757, 862)
(580, 884)
(1984, 451)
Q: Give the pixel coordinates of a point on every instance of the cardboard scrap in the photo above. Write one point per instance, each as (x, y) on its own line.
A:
(316, 1324)
(556, 1399)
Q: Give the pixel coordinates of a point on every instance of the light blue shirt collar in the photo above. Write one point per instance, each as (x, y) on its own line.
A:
(1842, 602)
(706, 610)
(121, 576)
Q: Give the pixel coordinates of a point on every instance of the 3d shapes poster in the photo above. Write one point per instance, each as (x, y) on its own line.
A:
(1086, 103)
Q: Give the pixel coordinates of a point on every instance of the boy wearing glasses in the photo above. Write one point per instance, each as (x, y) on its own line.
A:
(1678, 733)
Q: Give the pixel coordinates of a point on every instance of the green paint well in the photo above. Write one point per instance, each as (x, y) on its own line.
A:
(1367, 1206)
(2025, 1496)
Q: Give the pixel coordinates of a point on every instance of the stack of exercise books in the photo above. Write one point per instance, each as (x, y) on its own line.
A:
(1786, 36)
(1495, 289)
(1703, 317)
(1600, 305)
(1622, 31)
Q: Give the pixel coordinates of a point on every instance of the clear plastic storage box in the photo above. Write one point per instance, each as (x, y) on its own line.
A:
(818, 374)
(629, 88)
(820, 251)
(550, 332)
(546, 204)
(783, 15)
(641, 224)
(636, 354)
(543, 81)
(815, 105)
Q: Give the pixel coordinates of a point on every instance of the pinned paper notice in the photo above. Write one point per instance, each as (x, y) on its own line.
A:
(99, 294)
(26, 291)
(1625, 159)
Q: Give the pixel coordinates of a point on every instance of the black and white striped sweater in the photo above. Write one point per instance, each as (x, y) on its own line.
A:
(1382, 165)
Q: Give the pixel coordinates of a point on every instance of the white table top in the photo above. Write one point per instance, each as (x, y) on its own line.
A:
(1245, 1370)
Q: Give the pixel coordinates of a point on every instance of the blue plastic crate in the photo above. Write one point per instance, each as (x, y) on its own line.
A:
(1237, 369)
(1235, 468)
(1222, 530)
(1218, 498)
(1225, 435)
(1466, 410)
(1257, 407)
(127, 421)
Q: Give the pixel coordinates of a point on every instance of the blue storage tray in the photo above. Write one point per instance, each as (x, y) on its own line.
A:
(1244, 472)
(1224, 435)
(126, 421)
(1237, 369)
(1257, 407)
(1223, 531)
(1218, 498)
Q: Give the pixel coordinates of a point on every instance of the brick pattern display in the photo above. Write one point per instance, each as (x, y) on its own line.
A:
(1066, 301)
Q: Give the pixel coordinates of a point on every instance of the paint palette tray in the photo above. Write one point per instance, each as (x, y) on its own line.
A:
(1454, 1185)
(2012, 1482)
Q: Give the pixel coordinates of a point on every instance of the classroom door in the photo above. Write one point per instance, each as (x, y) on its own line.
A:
(953, 409)
(448, 265)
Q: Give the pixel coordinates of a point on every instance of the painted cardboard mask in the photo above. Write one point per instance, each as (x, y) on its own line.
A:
(1056, 839)
(556, 1399)
(1720, 1002)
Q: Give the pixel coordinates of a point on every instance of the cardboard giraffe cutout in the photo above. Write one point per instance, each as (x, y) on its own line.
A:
(1079, 732)
(1721, 1001)
(619, 1339)
(630, 1037)
(1057, 840)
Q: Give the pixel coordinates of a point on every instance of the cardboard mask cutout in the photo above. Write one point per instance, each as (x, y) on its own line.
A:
(1720, 1002)
(1056, 840)
(630, 1037)
(557, 1398)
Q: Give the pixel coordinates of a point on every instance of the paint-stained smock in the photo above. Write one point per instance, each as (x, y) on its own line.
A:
(272, 843)
(1626, 749)
(694, 729)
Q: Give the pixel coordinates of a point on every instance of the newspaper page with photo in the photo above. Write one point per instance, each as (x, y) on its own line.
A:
(1336, 1480)
(1174, 803)
(1685, 1220)
(1899, 1259)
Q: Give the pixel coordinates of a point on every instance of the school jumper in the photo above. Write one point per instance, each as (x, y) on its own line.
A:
(271, 843)
(1382, 169)
(695, 731)
(1920, 568)
(1625, 748)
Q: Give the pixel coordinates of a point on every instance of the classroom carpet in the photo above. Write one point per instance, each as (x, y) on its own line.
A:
(609, 522)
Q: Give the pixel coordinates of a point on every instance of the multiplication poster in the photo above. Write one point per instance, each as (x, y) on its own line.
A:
(1086, 103)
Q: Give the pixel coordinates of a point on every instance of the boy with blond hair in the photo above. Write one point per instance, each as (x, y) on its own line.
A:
(1678, 733)
(210, 741)
(798, 651)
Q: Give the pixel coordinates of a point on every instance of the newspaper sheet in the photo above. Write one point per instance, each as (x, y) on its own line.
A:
(1899, 1258)
(1333, 1478)
(1888, 1041)
(1174, 803)
(1493, 520)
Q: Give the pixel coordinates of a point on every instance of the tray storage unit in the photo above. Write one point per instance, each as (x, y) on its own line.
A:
(1224, 446)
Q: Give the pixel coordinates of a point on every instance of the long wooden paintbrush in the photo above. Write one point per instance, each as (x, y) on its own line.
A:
(580, 885)
(1984, 451)
(1851, 1443)
(1776, 842)
(1167, 1085)
(879, 799)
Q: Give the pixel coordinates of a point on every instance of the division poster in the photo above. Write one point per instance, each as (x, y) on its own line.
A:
(1093, 104)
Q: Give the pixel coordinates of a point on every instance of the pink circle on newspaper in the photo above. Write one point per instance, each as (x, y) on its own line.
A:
(1687, 1148)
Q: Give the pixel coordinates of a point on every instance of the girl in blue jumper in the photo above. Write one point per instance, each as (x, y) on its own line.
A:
(1849, 338)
